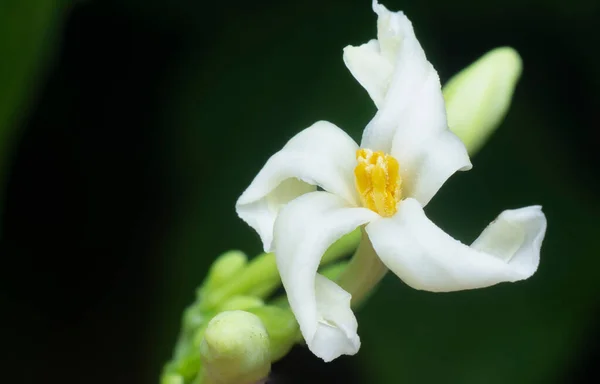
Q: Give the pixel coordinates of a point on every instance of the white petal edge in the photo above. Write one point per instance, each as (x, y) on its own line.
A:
(320, 155)
(370, 69)
(337, 337)
(427, 258)
(372, 63)
(304, 229)
(391, 27)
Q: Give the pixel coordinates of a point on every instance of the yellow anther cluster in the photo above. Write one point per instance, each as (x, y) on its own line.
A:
(378, 181)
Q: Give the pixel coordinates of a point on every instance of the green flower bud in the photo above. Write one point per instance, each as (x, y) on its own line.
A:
(193, 318)
(187, 366)
(241, 302)
(172, 378)
(223, 269)
(235, 349)
(260, 272)
(478, 97)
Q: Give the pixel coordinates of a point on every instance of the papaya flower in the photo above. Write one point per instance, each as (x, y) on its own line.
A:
(322, 185)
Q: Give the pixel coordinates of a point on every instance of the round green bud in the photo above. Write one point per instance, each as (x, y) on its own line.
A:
(235, 349)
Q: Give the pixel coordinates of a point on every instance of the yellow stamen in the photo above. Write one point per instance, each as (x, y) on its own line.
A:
(378, 181)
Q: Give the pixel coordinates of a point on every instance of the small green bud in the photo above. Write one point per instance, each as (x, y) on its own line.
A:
(235, 349)
(261, 271)
(241, 303)
(281, 326)
(193, 318)
(188, 366)
(172, 378)
(223, 269)
(478, 97)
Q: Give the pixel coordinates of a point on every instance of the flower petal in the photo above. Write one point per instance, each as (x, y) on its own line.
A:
(304, 229)
(432, 165)
(427, 258)
(321, 155)
(336, 333)
(428, 152)
(373, 63)
(400, 47)
(370, 68)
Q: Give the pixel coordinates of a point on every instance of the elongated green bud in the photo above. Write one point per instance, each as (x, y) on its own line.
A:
(226, 266)
(235, 349)
(478, 97)
(258, 272)
(241, 302)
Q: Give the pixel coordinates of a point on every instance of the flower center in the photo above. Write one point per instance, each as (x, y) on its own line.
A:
(378, 181)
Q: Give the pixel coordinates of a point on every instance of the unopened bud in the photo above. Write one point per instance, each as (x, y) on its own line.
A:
(235, 349)
(223, 269)
(478, 97)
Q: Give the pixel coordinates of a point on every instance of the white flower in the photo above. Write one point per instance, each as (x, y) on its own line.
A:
(406, 154)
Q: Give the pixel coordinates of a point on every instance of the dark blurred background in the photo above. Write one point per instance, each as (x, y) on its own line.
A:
(129, 128)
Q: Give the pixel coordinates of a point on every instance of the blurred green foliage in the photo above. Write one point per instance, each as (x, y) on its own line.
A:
(27, 32)
(243, 78)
